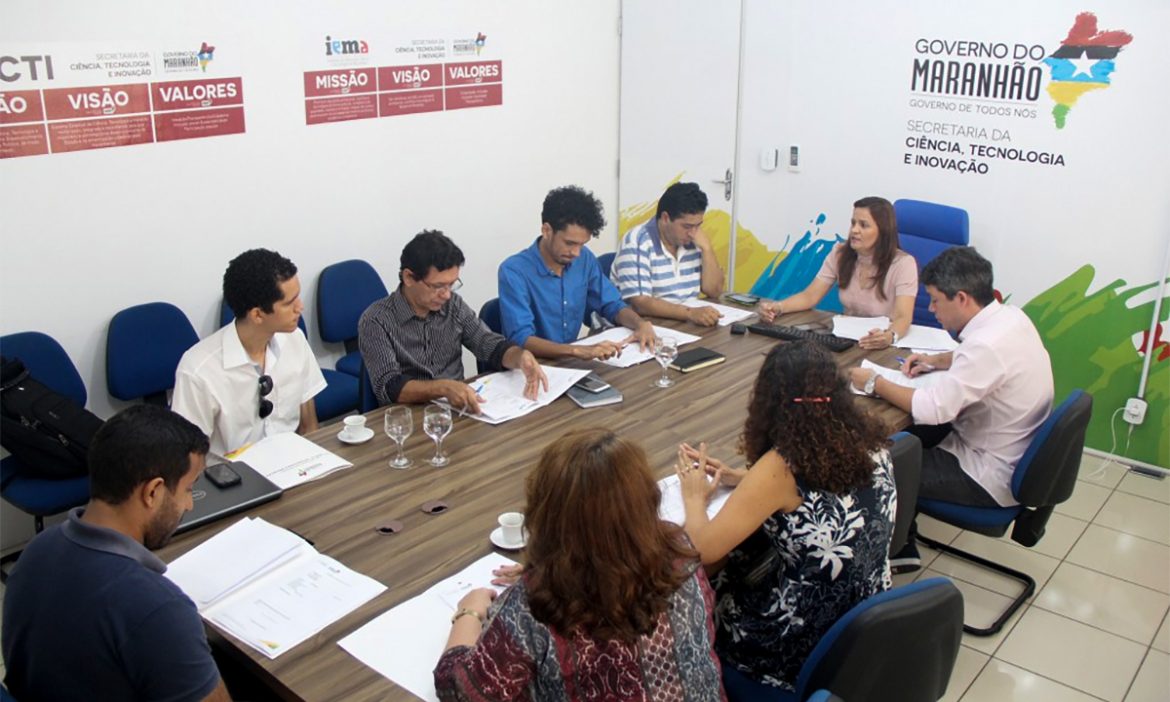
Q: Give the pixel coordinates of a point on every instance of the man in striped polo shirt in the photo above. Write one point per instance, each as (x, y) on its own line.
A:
(412, 340)
(669, 260)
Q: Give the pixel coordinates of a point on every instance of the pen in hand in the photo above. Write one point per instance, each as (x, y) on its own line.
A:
(924, 366)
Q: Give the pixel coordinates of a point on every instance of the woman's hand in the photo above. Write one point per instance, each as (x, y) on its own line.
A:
(877, 339)
(768, 310)
(478, 601)
(692, 478)
(507, 575)
(728, 475)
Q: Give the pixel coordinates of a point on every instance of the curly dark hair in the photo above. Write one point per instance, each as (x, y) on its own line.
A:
(599, 560)
(429, 249)
(572, 205)
(802, 406)
(883, 251)
(253, 279)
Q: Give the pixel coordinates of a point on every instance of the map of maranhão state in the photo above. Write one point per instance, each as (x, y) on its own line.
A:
(1083, 63)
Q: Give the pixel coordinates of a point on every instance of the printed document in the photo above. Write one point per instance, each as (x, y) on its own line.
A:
(854, 328)
(504, 393)
(267, 586)
(730, 314)
(405, 643)
(927, 340)
(671, 508)
(289, 459)
(896, 377)
(631, 355)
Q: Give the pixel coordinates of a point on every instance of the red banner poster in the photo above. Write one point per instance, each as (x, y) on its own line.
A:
(23, 140)
(473, 72)
(341, 109)
(193, 124)
(18, 106)
(475, 96)
(340, 82)
(188, 94)
(99, 133)
(410, 77)
(96, 101)
(392, 104)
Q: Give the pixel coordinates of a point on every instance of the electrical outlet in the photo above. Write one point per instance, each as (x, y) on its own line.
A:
(1135, 411)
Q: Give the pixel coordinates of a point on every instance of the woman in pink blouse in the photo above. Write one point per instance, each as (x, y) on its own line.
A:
(611, 603)
(876, 278)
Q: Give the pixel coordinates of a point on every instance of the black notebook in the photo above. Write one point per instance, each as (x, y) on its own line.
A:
(696, 358)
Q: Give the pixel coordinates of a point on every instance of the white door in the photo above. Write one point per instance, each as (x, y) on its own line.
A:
(679, 94)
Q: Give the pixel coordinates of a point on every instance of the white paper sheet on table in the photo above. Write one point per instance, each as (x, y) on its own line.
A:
(289, 459)
(631, 355)
(898, 378)
(671, 508)
(268, 587)
(504, 392)
(854, 328)
(730, 314)
(928, 339)
(405, 643)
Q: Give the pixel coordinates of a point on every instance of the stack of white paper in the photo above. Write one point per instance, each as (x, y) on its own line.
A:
(631, 355)
(671, 508)
(927, 340)
(289, 459)
(856, 327)
(729, 314)
(405, 643)
(267, 586)
(897, 377)
(503, 393)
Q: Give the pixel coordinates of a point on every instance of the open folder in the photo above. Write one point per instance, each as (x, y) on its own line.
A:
(267, 586)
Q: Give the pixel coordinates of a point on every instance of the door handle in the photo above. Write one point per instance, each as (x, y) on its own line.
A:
(726, 182)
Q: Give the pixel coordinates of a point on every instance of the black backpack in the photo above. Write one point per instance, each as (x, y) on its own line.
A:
(47, 431)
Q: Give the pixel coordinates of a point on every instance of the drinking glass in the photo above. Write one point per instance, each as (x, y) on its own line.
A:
(437, 424)
(399, 425)
(665, 351)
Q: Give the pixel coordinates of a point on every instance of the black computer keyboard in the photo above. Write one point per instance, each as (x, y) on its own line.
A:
(833, 343)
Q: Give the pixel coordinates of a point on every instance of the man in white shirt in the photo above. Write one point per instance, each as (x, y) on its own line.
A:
(669, 259)
(981, 415)
(256, 376)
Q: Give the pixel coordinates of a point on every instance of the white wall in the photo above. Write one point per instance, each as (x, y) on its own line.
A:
(88, 233)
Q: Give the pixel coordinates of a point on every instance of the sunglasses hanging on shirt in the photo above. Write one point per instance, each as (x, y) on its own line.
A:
(265, 388)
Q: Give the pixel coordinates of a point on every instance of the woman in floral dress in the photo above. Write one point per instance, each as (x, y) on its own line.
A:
(805, 534)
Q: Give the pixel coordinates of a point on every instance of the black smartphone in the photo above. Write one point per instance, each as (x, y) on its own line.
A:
(222, 475)
(591, 383)
(743, 298)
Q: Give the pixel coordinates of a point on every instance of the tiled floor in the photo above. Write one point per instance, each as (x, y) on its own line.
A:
(1097, 627)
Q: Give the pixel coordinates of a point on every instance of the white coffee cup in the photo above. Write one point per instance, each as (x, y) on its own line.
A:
(355, 424)
(512, 527)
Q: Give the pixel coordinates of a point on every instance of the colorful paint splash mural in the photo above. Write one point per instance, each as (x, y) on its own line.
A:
(1097, 339)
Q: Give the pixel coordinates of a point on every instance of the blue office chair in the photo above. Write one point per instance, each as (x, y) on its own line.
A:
(344, 291)
(49, 364)
(143, 348)
(490, 314)
(340, 395)
(605, 260)
(897, 645)
(1044, 477)
(926, 229)
(906, 455)
(5, 695)
(824, 696)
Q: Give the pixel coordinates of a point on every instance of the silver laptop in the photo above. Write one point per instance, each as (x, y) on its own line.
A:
(213, 503)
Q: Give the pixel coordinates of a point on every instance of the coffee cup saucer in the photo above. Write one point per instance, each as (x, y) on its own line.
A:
(357, 437)
(497, 537)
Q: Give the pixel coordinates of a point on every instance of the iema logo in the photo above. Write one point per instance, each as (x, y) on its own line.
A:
(480, 40)
(339, 47)
(205, 55)
(1083, 63)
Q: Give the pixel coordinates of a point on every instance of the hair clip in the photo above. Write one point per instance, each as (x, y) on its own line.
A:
(817, 400)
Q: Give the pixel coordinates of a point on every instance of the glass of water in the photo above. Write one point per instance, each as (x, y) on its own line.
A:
(437, 424)
(399, 425)
(665, 351)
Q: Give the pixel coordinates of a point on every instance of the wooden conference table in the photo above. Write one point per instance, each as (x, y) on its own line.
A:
(486, 476)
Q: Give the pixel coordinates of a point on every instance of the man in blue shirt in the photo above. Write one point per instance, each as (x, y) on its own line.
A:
(548, 290)
(88, 613)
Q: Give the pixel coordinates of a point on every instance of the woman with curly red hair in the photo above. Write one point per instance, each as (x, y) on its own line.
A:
(806, 533)
(611, 603)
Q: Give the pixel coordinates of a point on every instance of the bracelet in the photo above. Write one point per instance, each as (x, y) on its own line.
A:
(464, 610)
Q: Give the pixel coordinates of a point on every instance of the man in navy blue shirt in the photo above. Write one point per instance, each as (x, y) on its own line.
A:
(548, 290)
(88, 614)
